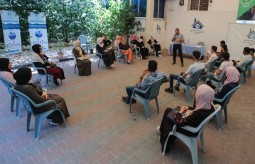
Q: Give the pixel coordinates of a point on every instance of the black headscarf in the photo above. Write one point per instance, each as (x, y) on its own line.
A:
(22, 75)
(4, 63)
(36, 48)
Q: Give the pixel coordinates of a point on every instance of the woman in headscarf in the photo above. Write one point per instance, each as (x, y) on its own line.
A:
(191, 116)
(139, 43)
(22, 77)
(231, 82)
(41, 60)
(124, 47)
(154, 44)
(82, 59)
(107, 54)
(5, 70)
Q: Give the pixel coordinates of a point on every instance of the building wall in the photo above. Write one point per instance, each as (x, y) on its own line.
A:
(215, 21)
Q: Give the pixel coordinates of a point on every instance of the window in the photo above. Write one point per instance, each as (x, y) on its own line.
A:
(139, 6)
(201, 5)
(159, 6)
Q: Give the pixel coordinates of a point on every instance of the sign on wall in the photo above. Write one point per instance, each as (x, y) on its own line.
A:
(11, 32)
(38, 30)
(246, 10)
(197, 27)
(240, 36)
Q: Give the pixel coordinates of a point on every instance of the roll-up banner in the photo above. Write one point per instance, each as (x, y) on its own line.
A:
(11, 32)
(38, 30)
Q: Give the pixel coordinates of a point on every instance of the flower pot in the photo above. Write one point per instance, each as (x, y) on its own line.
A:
(60, 55)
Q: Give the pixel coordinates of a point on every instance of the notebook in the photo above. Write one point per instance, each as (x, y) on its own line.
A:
(171, 115)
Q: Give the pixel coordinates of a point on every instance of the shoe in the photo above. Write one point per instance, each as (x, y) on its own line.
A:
(159, 55)
(173, 63)
(128, 62)
(159, 52)
(113, 66)
(169, 90)
(125, 100)
(182, 65)
(158, 129)
(55, 81)
(177, 88)
(54, 123)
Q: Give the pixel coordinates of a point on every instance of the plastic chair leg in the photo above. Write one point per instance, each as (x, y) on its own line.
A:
(38, 123)
(188, 94)
(147, 109)
(28, 120)
(226, 114)
(219, 119)
(156, 99)
(193, 149)
(98, 62)
(18, 103)
(12, 102)
(202, 141)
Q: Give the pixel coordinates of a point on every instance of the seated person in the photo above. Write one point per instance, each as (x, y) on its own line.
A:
(82, 59)
(154, 44)
(5, 72)
(22, 77)
(247, 57)
(185, 77)
(139, 43)
(124, 47)
(41, 60)
(107, 54)
(189, 116)
(218, 74)
(143, 84)
(213, 55)
(231, 82)
(224, 48)
(252, 52)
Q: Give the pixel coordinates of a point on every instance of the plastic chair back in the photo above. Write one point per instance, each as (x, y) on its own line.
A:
(7, 84)
(191, 142)
(195, 77)
(153, 91)
(212, 64)
(29, 104)
(225, 101)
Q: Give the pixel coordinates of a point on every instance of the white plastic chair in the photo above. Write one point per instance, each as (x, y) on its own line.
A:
(191, 142)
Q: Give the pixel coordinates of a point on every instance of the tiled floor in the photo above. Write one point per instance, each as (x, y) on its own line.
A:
(101, 130)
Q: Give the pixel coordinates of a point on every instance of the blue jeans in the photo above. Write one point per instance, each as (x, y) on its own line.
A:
(173, 77)
(130, 90)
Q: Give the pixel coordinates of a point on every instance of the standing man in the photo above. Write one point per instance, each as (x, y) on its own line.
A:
(178, 39)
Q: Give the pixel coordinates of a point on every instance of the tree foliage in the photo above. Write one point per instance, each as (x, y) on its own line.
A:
(67, 19)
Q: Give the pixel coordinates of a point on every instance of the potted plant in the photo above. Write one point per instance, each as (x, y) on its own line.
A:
(59, 48)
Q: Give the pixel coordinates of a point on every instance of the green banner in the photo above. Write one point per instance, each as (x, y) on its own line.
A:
(244, 8)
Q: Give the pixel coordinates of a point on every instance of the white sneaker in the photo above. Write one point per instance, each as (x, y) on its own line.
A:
(159, 55)
(158, 129)
(113, 66)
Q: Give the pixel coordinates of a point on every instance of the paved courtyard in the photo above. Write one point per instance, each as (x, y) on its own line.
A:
(101, 129)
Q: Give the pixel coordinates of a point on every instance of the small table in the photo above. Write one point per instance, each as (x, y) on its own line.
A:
(188, 49)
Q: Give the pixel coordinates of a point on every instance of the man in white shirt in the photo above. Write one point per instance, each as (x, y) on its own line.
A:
(213, 56)
(218, 74)
(177, 39)
(185, 76)
(247, 57)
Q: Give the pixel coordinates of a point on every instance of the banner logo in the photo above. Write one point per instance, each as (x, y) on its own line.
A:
(197, 27)
(38, 34)
(246, 2)
(250, 38)
(12, 35)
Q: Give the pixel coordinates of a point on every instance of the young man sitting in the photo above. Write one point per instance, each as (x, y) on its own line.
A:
(143, 84)
(218, 74)
(184, 77)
